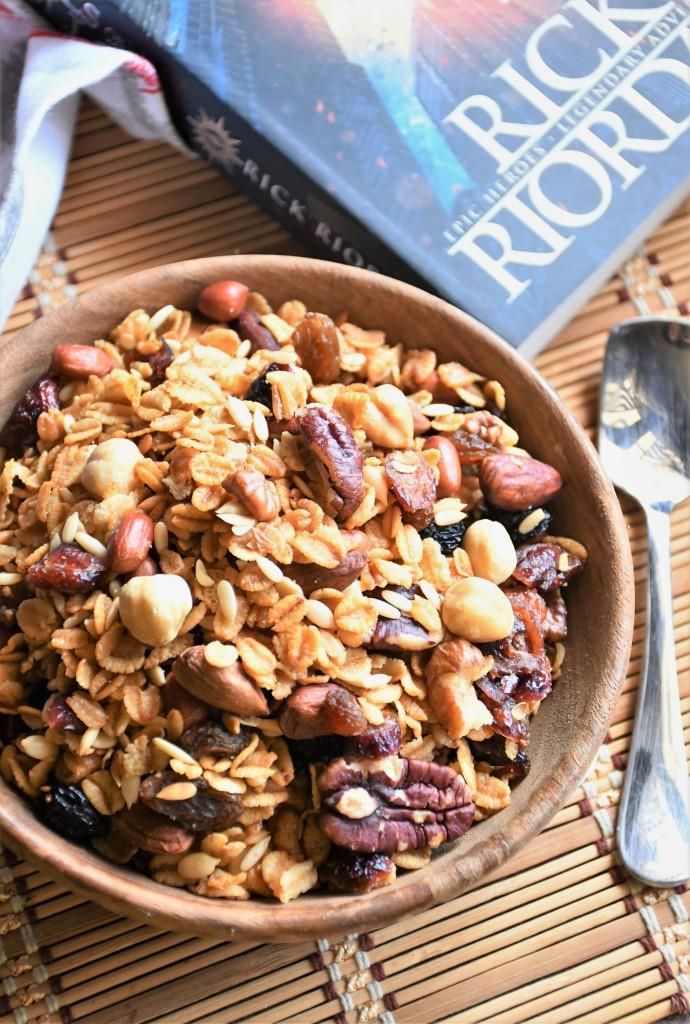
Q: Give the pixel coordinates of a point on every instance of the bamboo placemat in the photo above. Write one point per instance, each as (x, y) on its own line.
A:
(558, 934)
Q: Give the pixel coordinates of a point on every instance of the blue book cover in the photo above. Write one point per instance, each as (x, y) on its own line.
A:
(508, 153)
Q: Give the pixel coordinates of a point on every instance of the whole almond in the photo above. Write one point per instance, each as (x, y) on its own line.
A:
(79, 362)
(517, 482)
(130, 543)
(229, 689)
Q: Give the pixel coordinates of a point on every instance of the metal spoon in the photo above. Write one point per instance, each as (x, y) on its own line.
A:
(644, 439)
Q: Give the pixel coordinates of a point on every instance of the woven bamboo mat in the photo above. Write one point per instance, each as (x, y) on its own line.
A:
(558, 934)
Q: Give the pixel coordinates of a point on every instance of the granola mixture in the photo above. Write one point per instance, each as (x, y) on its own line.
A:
(278, 598)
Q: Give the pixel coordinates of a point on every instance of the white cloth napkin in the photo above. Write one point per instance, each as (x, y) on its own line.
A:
(41, 75)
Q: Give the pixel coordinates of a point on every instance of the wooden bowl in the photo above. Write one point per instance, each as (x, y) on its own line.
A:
(571, 723)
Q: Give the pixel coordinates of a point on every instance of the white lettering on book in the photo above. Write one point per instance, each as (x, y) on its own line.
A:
(581, 134)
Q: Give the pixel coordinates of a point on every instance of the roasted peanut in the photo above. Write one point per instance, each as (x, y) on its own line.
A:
(153, 608)
(490, 549)
(449, 466)
(223, 300)
(79, 362)
(110, 468)
(477, 610)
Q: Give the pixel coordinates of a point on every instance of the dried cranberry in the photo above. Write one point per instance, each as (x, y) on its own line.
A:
(69, 569)
(20, 432)
(67, 810)
(59, 715)
(513, 520)
(497, 695)
(448, 537)
(345, 871)
(249, 327)
(378, 741)
(414, 492)
(545, 567)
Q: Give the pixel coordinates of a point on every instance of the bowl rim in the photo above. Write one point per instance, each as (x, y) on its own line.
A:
(312, 916)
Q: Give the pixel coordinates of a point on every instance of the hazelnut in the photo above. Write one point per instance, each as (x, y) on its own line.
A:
(491, 550)
(110, 468)
(477, 610)
(153, 608)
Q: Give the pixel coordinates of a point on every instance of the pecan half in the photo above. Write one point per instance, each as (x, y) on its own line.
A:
(209, 810)
(414, 491)
(345, 871)
(453, 668)
(321, 710)
(151, 832)
(331, 440)
(545, 567)
(415, 803)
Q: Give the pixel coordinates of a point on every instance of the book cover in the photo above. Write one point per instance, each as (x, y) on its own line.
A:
(509, 153)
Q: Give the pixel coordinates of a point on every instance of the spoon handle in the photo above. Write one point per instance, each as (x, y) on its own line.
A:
(653, 831)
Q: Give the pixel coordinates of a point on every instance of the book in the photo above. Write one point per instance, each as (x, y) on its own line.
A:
(506, 154)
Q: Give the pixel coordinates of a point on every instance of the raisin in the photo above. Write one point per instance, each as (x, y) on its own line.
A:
(249, 327)
(67, 810)
(159, 362)
(448, 537)
(260, 389)
(209, 810)
(316, 343)
(512, 521)
(471, 447)
(212, 740)
(20, 431)
(69, 569)
(59, 715)
(319, 750)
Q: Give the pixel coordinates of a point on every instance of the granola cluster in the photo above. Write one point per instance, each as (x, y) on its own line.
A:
(278, 598)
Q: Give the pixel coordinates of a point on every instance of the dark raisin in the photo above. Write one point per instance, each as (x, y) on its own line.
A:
(249, 327)
(212, 740)
(209, 810)
(20, 432)
(512, 521)
(69, 569)
(67, 810)
(472, 447)
(493, 751)
(159, 362)
(448, 537)
(545, 567)
(320, 750)
(260, 389)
